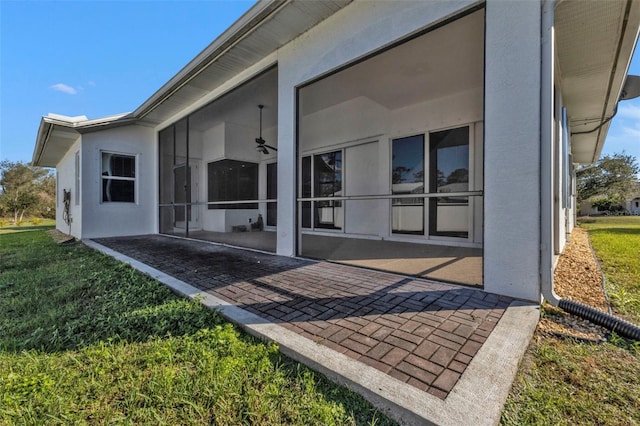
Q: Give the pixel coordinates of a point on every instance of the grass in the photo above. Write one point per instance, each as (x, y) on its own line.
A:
(34, 224)
(616, 241)
(567, 382)
(85, 339)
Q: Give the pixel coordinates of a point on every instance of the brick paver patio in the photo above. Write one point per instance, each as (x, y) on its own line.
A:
(420, 332)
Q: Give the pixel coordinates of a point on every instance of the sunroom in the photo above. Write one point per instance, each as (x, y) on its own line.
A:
(390, 157)
(216, 183)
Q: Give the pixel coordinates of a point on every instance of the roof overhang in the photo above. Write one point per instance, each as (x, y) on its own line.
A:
(262, 30)
(57, 134)
(595, 41)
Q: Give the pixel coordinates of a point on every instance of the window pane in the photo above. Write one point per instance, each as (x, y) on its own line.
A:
(449, 165)
(115, 190)
(166, 166)
(327, 177)
(231, 180)
(450, 160)
(272, 193)
(407, 177)
(306, 192)
(118, 165)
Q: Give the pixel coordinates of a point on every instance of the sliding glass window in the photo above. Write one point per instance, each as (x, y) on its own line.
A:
(449, 173)
(231, 180)
(407, 177)
(326, 170)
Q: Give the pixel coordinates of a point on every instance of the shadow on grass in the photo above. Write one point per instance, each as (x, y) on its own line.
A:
(13, 229)
(615, 231)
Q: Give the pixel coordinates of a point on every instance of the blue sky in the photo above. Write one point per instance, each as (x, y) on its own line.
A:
(102, 58)
(94, 58)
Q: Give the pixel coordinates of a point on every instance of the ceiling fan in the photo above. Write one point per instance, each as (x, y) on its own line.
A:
(262, 144)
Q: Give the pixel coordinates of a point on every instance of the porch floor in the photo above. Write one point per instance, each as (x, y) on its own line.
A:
(422, 333)
(459, 265)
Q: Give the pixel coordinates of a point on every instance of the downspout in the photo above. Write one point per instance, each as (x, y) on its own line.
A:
(615, 324)
(546, 153)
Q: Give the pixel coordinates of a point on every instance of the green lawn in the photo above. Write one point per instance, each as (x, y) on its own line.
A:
(616, 241)
(7, 226)
(565, 382)
(85, 339)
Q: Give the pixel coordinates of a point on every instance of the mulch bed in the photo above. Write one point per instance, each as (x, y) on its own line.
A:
(577, 277)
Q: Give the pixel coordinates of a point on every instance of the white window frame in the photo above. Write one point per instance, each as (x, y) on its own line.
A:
(122, 178)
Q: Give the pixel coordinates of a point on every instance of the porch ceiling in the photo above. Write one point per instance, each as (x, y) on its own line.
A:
(260, 32)
(594, 42)
(440, 63)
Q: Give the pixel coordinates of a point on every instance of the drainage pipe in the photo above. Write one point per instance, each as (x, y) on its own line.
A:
(615, 324)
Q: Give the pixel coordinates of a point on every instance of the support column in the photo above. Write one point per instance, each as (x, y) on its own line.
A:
(287, 158)
(512, 148)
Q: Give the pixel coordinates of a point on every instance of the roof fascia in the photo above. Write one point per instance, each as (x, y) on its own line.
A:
(238, 30)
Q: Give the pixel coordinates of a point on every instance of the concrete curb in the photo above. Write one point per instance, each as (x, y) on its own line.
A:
(477, 398)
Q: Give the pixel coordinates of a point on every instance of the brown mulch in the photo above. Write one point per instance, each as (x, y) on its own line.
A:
(577, 277)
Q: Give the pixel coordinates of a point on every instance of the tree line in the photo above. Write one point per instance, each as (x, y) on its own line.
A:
(26, 190)
(29, 190)
(609, 182)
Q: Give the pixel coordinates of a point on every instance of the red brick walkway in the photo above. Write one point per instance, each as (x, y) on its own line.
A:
(420, 332)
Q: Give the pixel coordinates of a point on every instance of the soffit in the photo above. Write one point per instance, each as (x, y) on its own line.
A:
(59, 140)
(273, 26)
(594, 42)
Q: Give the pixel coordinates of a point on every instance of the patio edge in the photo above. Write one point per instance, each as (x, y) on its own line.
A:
(477, 398)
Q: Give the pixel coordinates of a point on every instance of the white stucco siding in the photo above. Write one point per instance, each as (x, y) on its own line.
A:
(66, 180)
(512, 149)
(106, 219)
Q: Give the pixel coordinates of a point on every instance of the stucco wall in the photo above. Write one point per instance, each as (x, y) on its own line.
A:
(512, 149)
(66, 179)
(116, 219)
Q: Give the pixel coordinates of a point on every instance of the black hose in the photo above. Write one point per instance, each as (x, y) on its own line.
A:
(615, 324)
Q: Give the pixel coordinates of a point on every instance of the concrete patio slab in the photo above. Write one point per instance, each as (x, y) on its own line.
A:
(424, 352)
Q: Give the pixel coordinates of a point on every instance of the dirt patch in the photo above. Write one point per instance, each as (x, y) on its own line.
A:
(59, 237)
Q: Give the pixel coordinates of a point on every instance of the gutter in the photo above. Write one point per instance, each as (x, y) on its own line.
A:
(546, 152)
(246, 24)
(41, 142)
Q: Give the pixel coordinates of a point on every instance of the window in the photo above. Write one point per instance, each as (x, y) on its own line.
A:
(407, 177)
(118, 178)
(231, 180)
(272, 193)
(327, 182)
(77, 187)
(449, 172)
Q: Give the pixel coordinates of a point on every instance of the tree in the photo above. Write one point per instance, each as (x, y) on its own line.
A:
(613, 177)
(20, 187)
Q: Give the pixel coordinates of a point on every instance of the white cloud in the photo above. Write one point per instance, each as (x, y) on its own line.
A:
(61, 87)
(629, 111)
(91, 83)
